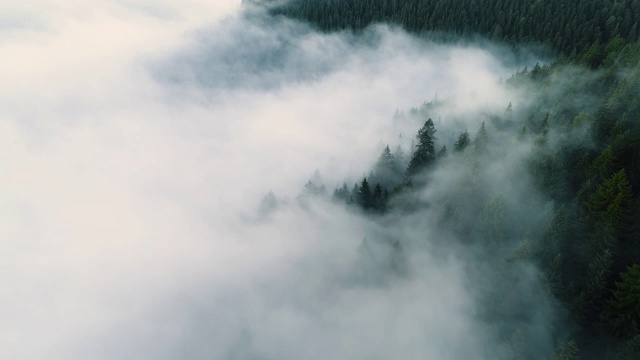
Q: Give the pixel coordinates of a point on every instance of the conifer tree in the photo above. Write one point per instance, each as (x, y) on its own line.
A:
(385, 160)
(424, 154)
(622, 314)
(482, 139)
(462, 142)
(399, 160)
(443, 152)
(606, 209)
(543, 130)
(377, 198)
(364, 194)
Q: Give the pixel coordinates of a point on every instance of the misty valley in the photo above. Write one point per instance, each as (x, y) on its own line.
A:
(321, 179)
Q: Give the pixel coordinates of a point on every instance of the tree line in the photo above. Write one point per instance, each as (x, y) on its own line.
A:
(565, 27)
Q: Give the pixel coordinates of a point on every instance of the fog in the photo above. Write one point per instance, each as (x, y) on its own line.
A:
(138, 139)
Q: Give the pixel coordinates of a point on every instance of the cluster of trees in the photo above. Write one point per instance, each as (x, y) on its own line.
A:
(393, 175)
(566, 27)
(590, 251)
(583, 129)
(584, 159)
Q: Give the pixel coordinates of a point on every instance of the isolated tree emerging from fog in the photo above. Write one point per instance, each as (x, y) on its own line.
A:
(424, 154)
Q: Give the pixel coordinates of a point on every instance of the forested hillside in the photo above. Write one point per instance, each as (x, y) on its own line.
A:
(576, 218)
(564, 26)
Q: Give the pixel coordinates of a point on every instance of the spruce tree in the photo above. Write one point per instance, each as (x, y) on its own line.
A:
(462, 142)
(424, 155)
(622, 313)
(364, 194)
(482, 139)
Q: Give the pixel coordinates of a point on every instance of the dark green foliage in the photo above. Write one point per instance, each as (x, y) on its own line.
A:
(543, 130)
(552, 243)
(424, 154)
(588, 304)
(583, 25)
(604, 211)
(550, 173)
(631, 350)
(379, 199)
(622, 315)
(364, 194)
(566, 351)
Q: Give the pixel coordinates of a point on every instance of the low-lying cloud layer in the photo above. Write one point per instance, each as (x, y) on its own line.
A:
(137, 139)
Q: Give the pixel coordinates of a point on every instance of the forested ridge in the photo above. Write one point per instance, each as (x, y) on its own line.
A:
(564, 26)
(580, 136)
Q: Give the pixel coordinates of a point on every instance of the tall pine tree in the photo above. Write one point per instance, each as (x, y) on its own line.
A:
(424, 154)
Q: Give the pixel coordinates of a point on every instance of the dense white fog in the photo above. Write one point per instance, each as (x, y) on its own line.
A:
(137, 139)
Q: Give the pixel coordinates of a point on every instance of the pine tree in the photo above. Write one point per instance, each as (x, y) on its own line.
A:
(424, 154)
(354, 195)
(622, 313)
(602, 166)
(606, 209)
(400, 161)
(385, 160)
(386, 170)
(341, 193)
(377, 198)
(543, 130)
(588, 303)
(443, 152)
(462, 142)
(482, 139)
(364, 194)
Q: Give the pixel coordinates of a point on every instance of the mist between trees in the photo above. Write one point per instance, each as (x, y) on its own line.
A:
(469, 202)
